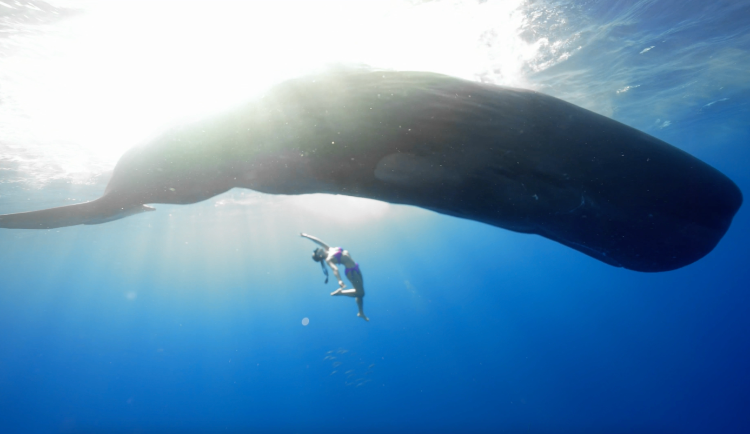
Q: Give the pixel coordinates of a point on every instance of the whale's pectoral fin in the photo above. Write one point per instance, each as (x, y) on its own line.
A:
(88, 213)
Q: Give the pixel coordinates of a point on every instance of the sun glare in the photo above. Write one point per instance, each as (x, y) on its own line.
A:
(92, 86)
(328, 207)
(339, 209)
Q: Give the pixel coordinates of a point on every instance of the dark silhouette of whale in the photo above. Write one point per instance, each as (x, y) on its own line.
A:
(511, 158)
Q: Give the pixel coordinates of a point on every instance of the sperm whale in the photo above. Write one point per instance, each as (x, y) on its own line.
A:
(511, 158)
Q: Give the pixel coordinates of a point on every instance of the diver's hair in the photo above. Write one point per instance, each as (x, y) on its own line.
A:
(318, 256)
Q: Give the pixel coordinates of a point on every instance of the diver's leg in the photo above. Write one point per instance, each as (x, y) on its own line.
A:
(359, 291)
(347, 292)
(361, 312)
(355, 277)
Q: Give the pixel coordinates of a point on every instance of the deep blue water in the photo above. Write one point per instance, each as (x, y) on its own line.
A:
(189, 319)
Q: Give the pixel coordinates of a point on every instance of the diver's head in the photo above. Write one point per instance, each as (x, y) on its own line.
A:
(318, 254)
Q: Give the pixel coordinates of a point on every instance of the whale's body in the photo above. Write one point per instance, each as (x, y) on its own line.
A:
(507, 157)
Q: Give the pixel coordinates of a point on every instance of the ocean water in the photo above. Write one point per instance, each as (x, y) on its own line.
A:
(191, 319)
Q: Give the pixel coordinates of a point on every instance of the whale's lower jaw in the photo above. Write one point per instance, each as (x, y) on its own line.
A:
(98, 211)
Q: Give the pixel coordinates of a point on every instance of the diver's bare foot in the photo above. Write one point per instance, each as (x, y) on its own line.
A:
(336, 292)
(361, 315)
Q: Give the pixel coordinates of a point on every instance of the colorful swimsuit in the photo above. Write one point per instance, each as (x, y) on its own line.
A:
(348, 270)
(337, 255)
(351, 270)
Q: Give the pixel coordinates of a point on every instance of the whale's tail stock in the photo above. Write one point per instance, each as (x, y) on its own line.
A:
(97, 211)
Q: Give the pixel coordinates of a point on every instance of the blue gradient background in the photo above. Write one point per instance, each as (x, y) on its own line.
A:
(473, 328)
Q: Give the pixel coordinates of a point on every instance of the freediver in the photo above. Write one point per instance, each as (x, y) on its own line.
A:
(337, 255)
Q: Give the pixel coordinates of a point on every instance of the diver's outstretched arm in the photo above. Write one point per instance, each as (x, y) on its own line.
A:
(316, 241)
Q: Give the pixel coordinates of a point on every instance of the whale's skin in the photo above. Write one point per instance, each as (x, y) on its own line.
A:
(511, 158)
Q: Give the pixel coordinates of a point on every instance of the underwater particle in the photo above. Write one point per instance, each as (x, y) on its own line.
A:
(714, 102)
(627, 88)
(305, 321)
(410, 287)
(131, 295)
